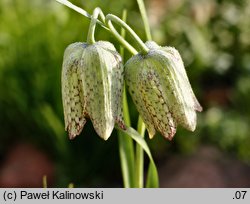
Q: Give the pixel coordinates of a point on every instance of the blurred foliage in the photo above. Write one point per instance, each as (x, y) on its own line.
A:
(212, 36)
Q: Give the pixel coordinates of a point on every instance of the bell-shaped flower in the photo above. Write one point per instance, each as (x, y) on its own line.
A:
(160, 89)
(92, 84)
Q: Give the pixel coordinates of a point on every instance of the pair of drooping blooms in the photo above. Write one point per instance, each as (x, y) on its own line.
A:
(92, 85)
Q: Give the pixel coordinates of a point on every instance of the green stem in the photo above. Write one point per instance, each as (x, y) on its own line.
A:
(80, 10)
(126, 147)
(123, 31)
(140, 156)
(140, 125)
(144, 19)
(45, 184)
(152, 174)
(110, 17)
(71, 185)
(91, 32)
(111, 28)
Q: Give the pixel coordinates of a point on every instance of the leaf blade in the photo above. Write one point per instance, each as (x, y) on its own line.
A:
(154, 181)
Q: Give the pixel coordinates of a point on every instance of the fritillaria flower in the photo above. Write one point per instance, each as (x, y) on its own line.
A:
(92, 83)
(159, 86)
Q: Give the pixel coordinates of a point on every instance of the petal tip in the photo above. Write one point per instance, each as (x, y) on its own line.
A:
(170, 135)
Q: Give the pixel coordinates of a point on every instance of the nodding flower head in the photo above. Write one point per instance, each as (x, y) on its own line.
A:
(160, 89)
(92, 84)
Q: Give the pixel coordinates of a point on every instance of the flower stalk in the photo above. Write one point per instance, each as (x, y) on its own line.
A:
(144, 19)
(143, 48)
(94, 18)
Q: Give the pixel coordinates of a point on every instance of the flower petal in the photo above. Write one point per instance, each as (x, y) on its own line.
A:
(101, 96)
(182, 101)
(146, 90)
(161, 91)
(72, 93)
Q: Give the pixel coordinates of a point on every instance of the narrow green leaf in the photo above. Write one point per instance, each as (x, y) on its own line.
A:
(153, 175)
(127, 159)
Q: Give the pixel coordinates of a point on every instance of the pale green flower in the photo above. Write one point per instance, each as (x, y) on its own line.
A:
(161, 91)
(92, 82)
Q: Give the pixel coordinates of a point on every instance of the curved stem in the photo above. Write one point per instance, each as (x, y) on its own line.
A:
(121, 23)
(81, 11)
(91, 32)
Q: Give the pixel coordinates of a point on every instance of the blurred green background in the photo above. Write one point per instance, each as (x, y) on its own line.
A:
(213, 36)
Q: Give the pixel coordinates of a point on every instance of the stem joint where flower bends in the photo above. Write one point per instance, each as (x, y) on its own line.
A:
(91, 32)
(109, 18)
